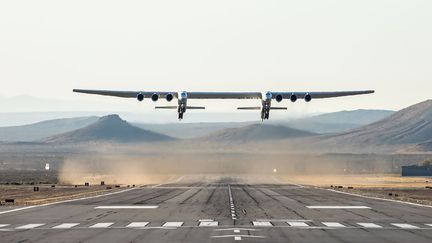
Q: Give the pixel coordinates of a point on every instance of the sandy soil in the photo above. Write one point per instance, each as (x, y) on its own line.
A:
(24, 195)
(396, 187)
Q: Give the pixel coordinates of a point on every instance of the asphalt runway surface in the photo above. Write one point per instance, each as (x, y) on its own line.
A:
(220, 209)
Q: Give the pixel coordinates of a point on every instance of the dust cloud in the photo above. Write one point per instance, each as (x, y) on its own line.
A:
(139, 164)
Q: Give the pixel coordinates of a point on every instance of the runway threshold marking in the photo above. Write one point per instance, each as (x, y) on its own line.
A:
(297, 224)
(338, 207)
(406, 226)
(370, 225)
(262, 223)
(101, 225)
(29, 226)
(333, 224)
(4, 225)
(65, 226)
(173, 224)
(137, 224)
(208, 224)
(128, 207)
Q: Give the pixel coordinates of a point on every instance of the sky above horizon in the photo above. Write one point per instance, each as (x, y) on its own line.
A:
(47, 48)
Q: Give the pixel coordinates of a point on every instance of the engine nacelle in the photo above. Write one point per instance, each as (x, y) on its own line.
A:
(169, 97)
(279, 98)
(140, 97)
(293, 98)
(155, 97)
(267, 96)
(308, 97)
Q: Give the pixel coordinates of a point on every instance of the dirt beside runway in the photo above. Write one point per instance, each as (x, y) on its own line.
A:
(388, 186)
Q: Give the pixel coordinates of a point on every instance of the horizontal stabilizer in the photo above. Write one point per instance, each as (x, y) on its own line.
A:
(195, 107)
(249, 108)
(278, 108)
(166, 107)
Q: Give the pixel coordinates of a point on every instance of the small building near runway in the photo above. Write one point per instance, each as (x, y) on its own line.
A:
(425, 169)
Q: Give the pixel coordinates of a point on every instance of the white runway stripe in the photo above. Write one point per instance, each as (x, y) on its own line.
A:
(262, 223)
(128, 207)
(208, 223)
(333, 224)
(65, 226)
(137, 224)
(101, 225)
(297, 224)
(406, 226)
(4, 225)
(338, 207)
(370, 225)
(172, 224)
(429, 225)
(29, 226)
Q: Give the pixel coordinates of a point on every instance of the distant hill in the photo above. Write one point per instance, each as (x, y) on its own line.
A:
(338, 121)
(108, 129)
(256, 132)
(190, 130)
(412, 125)
(44, 129)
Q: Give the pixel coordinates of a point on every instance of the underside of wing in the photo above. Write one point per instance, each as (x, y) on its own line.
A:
(224, 95)
(321, 95)
(125, 94)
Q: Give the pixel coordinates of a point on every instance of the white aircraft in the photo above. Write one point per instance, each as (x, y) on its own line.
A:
(183, 97)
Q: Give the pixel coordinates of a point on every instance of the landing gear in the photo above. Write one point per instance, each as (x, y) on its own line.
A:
(181, 109)
(265, 112)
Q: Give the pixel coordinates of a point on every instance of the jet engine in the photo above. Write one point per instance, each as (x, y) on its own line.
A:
(155, 97)
(308, 97)
(140, 97)
(279, 98)
(293, 98)
(169, 97)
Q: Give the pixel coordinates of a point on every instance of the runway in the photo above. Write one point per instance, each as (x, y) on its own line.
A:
(220, 209)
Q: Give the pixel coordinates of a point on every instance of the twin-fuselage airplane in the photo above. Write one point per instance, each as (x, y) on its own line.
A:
(183, 97)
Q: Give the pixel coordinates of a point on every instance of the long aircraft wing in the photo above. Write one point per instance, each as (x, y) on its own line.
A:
(222, 95)
(124, 94)
(321, 95)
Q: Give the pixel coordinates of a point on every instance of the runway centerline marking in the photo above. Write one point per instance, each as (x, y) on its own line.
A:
(101, 225)
(128, 207)
(65, 226)
(29, 226)
(406, 226)
(370, 225)
(338, 207)
(4, 225)
(231, 202)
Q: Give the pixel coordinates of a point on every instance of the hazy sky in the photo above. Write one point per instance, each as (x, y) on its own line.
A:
(47, 48)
